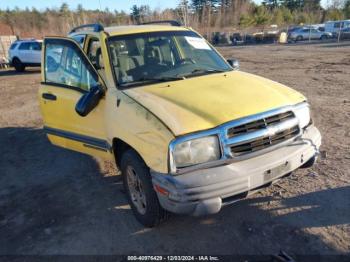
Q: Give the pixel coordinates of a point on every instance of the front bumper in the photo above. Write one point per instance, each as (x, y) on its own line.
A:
(205, 191)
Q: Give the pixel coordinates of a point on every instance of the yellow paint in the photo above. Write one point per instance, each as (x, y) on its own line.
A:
(149, 117)
(79, 147)
(135, 125)
(204, 102)
(60, 114)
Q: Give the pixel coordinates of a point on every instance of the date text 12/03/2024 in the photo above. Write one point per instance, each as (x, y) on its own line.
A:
(172, 258)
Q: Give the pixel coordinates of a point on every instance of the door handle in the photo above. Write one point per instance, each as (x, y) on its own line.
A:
(49, 96)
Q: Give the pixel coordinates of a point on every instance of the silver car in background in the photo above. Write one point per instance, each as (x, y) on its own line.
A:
(308, 33)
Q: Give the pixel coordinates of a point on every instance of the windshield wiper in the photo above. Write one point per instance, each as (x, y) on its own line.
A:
(161, 79)
(154, 79)
(202, 71)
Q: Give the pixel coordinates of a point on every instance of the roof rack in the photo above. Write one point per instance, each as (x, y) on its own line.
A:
(26, 39)
(93, 28)
(171, 22)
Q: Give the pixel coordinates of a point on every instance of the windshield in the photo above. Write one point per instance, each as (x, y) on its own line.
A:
(139, 59)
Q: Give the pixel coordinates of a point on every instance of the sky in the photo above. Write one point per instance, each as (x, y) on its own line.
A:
(95, 4)
(88, 4)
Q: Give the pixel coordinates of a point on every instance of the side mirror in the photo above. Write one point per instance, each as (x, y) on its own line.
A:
(234, 63)
(89, 101)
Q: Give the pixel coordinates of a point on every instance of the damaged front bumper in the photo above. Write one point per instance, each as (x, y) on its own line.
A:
(205, 191)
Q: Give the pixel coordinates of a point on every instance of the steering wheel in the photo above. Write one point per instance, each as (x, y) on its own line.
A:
(185, 61)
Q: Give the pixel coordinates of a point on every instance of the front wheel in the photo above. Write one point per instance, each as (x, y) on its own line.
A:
(139, 188)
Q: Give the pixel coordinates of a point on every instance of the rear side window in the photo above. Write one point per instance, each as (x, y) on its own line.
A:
(338, 24)
(36, 46)
(80, 39)
(24, 46)
(13, 46)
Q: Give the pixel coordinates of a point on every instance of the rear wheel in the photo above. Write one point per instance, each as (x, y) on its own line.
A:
(299, 38)
(139, 188)
(18, 65)
(323, 37)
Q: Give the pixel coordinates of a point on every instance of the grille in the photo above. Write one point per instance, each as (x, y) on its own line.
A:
(264, 142)
(259, 124)
(260, 143)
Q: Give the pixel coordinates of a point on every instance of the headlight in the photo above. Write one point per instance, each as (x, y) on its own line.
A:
(302, 112)
(196, 151)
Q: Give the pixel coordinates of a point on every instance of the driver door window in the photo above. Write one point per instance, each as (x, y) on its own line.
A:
(64, 65)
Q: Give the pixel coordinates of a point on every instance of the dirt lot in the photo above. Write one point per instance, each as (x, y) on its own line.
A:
(54, 201)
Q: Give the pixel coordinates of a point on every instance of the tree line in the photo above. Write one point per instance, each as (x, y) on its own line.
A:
(202, 15)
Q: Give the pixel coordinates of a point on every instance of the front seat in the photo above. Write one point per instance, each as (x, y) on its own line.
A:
(152, 59)
(99, 63)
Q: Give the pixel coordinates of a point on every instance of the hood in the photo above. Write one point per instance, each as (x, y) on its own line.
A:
(205, 102)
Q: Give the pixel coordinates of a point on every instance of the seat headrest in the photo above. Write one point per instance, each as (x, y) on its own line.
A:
(99, 60)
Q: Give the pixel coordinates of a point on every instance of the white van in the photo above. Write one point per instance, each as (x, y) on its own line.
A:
(334, 27)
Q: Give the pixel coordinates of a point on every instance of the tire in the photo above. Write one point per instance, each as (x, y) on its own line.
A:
(17, 64)
(309, 163)
(299, 38)
(135, 172)
(323, 37)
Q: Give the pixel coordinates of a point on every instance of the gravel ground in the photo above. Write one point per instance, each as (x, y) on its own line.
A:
(54, 201)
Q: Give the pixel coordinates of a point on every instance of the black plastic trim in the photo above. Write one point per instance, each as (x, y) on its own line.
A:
(49, 96)
(32, 64)
(88, 141)
(95, 27)
(65, 86)
(171, 22)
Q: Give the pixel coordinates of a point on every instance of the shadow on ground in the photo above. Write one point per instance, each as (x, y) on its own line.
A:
(55, 201)
(13, 72)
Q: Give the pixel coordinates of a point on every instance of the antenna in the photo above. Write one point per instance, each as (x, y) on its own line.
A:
(99, 1)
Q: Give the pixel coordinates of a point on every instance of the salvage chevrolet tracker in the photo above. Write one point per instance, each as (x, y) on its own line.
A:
(189, 132)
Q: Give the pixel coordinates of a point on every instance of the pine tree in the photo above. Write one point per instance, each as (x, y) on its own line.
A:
(347, 9)
(135, 14)
(293, 4)
(271, 4)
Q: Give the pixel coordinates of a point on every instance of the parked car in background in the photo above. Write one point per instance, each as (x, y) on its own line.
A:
(25, 53)
(344, 33)
(321, 28)
(308, 33)
(316, 26)
(292, 29)
(334, 27)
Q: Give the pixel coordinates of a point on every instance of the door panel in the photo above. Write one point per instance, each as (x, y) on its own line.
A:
(315, 34)
(24, 53)
(69, 75)
(36, 57)
(35, 52)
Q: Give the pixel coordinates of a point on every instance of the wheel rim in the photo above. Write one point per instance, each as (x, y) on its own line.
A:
(137, 193)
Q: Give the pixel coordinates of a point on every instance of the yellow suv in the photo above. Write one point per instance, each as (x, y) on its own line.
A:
(188, 130)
